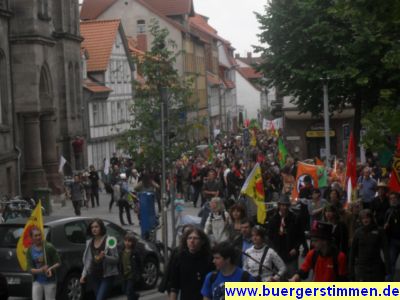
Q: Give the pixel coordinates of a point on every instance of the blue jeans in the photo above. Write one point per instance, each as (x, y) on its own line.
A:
(129, 290)
(102, 286)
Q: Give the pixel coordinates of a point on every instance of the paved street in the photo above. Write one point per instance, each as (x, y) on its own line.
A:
(103, 212)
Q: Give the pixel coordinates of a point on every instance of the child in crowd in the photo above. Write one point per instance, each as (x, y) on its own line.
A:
(130, 266)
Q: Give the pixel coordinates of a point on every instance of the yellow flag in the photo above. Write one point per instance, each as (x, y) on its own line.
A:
(25, 241)
(254, 189)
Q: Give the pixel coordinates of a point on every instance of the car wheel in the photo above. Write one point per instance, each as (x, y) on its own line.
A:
(72, 289)
(150, 273)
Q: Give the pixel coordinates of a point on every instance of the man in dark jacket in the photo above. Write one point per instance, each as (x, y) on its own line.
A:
(365, 262)
(380, 204)
(286, 235)
(3, 287)
(392, 228)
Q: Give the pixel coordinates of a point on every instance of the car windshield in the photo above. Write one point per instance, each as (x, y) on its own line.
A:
(9, 235)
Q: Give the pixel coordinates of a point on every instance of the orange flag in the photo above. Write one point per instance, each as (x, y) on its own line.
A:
(303, 170)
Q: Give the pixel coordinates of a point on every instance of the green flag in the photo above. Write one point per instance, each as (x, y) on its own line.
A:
(322, 177)
(282, 153)
(210, 154)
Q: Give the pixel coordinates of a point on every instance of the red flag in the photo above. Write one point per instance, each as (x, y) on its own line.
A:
(351, 163)
(394, 184)
(394, 180)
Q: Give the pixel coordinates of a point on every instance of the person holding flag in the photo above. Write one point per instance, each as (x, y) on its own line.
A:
(38, 256)
(42, 261)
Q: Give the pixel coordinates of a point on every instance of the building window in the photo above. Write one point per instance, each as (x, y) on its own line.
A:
(141, 26)
(44, 10)
(95, 115)
(3, 89)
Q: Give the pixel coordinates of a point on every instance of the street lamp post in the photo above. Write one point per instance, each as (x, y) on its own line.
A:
(326, 124)
(163, 95)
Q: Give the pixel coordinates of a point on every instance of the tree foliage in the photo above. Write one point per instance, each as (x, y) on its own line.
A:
(353, 46)
(156, 67)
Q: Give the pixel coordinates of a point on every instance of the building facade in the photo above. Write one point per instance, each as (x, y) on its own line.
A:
(108, 90)
(44, 88)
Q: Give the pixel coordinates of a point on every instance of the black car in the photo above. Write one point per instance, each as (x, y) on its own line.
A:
(68, 235)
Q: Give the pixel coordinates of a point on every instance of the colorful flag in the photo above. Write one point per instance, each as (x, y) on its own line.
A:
(304, 170)
(282, 153)
(394, 180)
(253, 139)
(254, 189)
(210, 153)
(322, 177)
(319, 162)
(25, 241)
(351, 169)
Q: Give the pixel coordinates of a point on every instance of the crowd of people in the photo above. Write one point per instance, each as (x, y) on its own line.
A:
(319, 231)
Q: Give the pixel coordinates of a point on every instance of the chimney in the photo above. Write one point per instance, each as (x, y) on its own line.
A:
(141, 39)
(248, 55)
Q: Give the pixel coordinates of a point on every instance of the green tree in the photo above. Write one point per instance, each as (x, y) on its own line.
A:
(156, 67)
(353, 45)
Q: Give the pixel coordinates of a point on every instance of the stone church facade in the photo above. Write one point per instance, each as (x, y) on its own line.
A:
(41, 94)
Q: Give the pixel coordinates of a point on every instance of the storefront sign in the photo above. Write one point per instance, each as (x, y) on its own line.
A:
(319, 133)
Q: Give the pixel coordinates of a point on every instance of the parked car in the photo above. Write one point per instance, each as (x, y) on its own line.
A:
(68, 235)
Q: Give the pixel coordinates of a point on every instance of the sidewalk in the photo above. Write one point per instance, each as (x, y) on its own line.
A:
(102, 212)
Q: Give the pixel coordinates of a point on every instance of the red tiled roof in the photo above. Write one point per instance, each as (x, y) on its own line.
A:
(95, 87)
(132, 44)
(173, 7)
(92, 9)
(250, 73)
(213, 79)
(99, 37)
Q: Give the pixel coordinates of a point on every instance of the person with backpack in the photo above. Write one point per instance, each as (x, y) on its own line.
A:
(261, 261)
(123, 203)
(226, 271)
(217, 226)
(325, 260)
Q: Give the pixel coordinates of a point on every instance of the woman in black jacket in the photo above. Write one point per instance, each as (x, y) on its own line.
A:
(192, 264)
(365, 262)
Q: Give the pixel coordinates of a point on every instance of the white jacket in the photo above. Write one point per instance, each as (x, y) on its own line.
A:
(217, 227)
(273, 263)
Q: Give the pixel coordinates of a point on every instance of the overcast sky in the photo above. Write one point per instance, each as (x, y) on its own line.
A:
(234, 20)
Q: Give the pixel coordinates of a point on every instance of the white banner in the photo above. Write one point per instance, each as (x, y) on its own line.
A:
(62, 163)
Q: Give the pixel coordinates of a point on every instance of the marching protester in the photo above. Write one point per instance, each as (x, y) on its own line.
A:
(244, 241)
(367, 187)
(218, 222)
(365, 262)
(286, 235)
(226, 271)
(100, 261)
(325, 260)
(42, 261)
(191, 265)
(130, 266)
(237, 214)
(122, 202)
(392, 228)
(261, 261)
